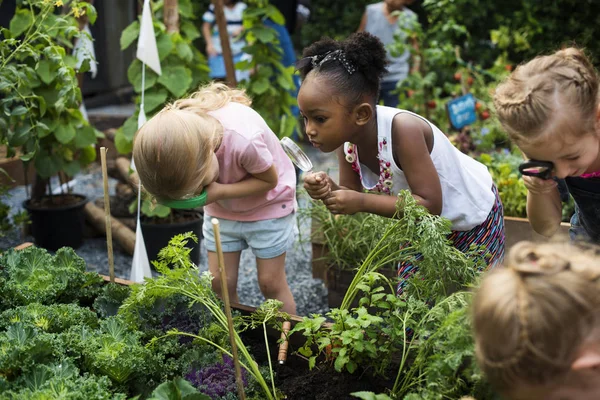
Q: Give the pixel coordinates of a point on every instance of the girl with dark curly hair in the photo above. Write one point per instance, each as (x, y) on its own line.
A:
(383, 150)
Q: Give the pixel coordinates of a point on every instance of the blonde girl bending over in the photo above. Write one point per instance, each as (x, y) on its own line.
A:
(537, 323)
(213, 144)
(550, 108)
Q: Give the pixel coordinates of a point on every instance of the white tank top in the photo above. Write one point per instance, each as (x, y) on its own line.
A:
(467, 196)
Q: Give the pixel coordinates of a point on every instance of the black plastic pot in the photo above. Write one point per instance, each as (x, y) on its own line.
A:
(56, 227)
(157, 236)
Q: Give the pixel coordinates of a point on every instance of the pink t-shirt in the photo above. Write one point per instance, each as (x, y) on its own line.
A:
(249, 146)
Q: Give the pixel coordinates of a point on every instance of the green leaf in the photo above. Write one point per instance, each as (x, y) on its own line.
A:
(164, 45)
(86, 136)
(185, 9)
(265, 35)
(260, 86)
(20, 135)
(87, 155)
(64, 133)
(20, 110)
(42, 105)
(20, 22)
(184, 51)
(130, 127)
(123, 145)
(177, 389)
(134, 74)
(47, 165)
(157, 210)
(177, 79)
(46, 71)
(190, 31)
(155, 100)
(130, 34)
(72, 168)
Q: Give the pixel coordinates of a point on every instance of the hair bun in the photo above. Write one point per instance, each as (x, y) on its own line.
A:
(367, 53)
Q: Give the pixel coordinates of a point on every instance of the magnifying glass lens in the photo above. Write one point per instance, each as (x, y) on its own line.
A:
(295, 153)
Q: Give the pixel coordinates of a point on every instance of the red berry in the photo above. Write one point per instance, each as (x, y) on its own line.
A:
(431, 104)
(457, 76)
(410, 93)
(470, 81)
(485, 115)
(477, 106)
(508, 67)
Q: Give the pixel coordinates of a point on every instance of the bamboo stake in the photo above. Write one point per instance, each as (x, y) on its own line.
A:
(224, 36)
(225, 295)
(109, 245)
(283, 347)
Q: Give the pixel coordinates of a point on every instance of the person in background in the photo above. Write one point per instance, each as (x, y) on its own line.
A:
(233, 10)
(536, 323)
(379, 21)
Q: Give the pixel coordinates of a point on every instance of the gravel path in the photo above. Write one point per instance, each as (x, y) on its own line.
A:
(310, 294)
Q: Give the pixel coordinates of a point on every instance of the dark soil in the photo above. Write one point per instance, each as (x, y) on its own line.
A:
(176, 216)
(56, 201)
(297, 382)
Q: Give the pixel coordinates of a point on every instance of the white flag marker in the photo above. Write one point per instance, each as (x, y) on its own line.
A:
(147, 52)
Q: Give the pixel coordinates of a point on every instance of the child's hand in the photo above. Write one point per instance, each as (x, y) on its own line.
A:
(211, 51)
(317, 185)
(539, 186)
(344, 202)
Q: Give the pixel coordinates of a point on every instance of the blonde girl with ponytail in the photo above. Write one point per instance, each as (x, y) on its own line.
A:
(550, 109)
(537, 323)
(213, 148)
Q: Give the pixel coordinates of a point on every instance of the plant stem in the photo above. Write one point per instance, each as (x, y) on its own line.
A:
(269, 357)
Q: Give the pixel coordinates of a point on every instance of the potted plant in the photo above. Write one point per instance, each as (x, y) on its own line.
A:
(41, 117)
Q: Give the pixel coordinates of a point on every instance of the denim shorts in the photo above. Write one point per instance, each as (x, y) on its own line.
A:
(269, 238)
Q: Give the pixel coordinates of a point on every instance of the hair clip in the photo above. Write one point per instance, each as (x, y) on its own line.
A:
(318, 60)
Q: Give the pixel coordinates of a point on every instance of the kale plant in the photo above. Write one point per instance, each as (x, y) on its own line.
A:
(216, 380)
(110, 299)
(33, 275)
(54, 318)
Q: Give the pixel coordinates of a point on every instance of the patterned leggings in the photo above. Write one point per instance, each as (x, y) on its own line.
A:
(490, 234)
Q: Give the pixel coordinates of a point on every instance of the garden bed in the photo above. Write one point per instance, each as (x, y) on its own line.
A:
(292, 378)
(338, 279)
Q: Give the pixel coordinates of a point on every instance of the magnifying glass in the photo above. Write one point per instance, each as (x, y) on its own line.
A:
(295, 153)
(538, 169)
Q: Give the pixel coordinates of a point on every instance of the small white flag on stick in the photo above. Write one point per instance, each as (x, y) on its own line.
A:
(147, 52)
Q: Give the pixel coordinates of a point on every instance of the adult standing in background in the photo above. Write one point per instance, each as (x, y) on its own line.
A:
(379, 20)
(233, 10)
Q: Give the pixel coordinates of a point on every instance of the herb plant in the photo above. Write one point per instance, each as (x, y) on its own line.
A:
(180, 276)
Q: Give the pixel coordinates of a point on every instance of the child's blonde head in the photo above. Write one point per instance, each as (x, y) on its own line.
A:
(532, 317)
(530, 100)
(174, 150)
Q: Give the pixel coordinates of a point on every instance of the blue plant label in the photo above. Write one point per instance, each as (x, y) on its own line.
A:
(462, 111)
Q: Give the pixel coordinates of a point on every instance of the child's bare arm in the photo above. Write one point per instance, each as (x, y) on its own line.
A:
(411, 148)
(544, 208)
(257, 184)
(206, 32)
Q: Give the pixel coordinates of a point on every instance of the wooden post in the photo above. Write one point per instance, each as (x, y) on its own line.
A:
(111, 263)
(224, 36)
(225, 295)
(283, 347)
(171, 15)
